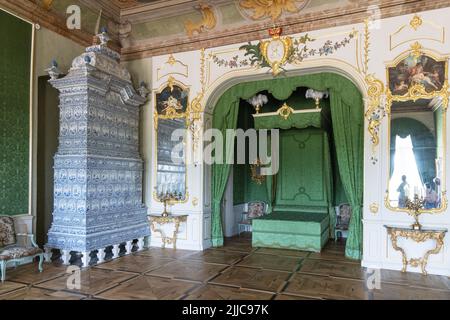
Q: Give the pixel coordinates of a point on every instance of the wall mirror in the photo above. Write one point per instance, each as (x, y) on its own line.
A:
(171, 110)
(417, 100)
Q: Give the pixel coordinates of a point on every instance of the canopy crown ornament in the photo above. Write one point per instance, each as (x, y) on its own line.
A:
(258, 101)
(317, 96)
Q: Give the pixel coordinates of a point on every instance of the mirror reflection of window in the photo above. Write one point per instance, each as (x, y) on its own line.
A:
(405, 179)
(171, 167)
(416, 152)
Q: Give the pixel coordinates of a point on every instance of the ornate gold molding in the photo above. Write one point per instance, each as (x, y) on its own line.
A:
(414, 93)
(410, 32)
(174, 66)
(375, 110)
(416, 22)
(417, 236)
(416, 49)
(169, 114)
(374, 113)
(177, 220)
(195, 108)
(374, 208)
(257, 177)
(285, 111)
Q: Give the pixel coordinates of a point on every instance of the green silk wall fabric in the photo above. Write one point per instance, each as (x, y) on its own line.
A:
(347, 113)
(15, 65)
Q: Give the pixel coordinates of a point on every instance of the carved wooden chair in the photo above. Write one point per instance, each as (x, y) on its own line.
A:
(252, 210)
(13, 253)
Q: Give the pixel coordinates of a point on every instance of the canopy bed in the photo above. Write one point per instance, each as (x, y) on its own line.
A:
(312, 141)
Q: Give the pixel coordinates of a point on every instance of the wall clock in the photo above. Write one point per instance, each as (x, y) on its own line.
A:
(277, 50)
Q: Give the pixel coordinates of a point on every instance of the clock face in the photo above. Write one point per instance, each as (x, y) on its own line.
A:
(275, 51)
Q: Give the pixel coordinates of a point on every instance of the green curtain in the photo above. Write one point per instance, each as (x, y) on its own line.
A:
(348, 122)
(329, 183)
(220, 172)
(15, 65)
(295, 120)
(270, 180)
(348, 133)
(438, 122)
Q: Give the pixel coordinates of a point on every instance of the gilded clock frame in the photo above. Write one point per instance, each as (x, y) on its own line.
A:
(170, 116)
(415, 93)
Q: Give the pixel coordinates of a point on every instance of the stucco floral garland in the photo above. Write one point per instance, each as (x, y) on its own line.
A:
(299, 52)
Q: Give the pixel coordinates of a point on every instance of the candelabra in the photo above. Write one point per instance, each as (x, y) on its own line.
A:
(415, 209)
(168, 198)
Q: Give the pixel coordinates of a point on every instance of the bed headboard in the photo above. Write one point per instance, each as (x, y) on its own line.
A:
(304, 180)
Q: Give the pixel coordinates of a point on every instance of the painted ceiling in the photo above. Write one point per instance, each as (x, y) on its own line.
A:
(139, 22)
(142, 28)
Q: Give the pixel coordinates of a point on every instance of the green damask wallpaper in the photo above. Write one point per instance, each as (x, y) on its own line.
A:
(15, 63)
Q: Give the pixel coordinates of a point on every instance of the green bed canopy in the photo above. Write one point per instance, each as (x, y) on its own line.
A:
(347, 116)
(299, 120)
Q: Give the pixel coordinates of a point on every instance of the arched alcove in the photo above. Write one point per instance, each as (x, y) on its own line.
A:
(231, 89)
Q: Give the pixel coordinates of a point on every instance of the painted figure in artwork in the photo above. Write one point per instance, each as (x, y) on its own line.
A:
(413, 70)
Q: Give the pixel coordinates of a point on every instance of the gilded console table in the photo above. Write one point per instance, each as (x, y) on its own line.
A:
(160, 220)
(418, 236)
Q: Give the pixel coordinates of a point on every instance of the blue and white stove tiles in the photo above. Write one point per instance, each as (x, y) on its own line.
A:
(98, 169)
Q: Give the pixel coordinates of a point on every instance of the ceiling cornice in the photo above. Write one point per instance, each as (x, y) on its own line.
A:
(351, 14)
(34, 13)
(355, 13)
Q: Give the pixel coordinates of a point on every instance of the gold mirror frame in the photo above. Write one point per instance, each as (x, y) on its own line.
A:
(257, 177)
(416, 92)
(170, 114)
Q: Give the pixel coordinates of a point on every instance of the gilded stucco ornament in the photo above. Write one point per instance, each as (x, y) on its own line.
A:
(416, 22)
(285, 111)
(278, 52)
(208, 22)
(273, 9)
(375, 103)
(195, 108)
(374, 208)
(375, 107)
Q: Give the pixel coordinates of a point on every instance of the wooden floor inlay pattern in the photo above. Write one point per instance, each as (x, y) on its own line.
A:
(148, 288)
(232, 272)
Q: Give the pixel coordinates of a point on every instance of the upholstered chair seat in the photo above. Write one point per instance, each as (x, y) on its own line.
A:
(252, 210)
(17, 252)
(11, 251)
